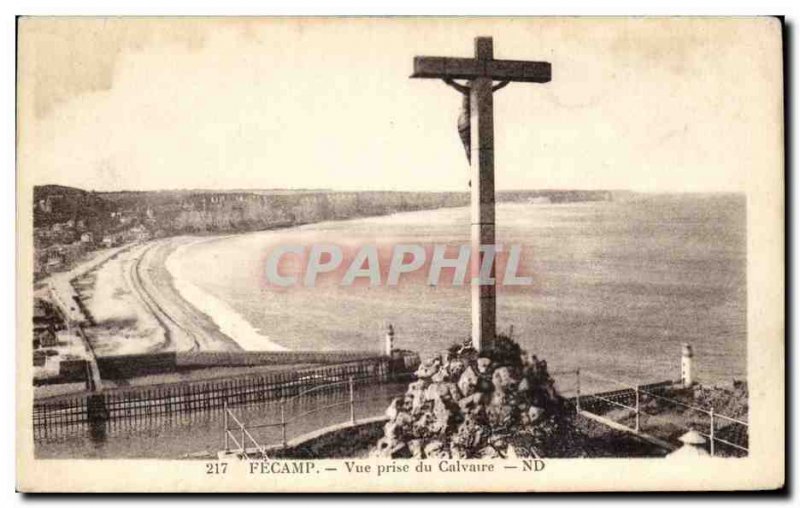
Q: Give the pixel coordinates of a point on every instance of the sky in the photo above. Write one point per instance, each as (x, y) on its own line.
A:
(149, 103)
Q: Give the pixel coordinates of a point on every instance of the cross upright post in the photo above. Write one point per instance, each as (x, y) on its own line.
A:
(484, 297)
(480, 73)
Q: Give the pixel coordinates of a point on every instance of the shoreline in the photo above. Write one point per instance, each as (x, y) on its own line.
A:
(153, 298)
(227, 320)
(161, 286)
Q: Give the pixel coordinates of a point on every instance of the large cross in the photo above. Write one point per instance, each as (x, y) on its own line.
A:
(478, 137)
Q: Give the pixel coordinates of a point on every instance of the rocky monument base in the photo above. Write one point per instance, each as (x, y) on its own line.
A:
(465, 404)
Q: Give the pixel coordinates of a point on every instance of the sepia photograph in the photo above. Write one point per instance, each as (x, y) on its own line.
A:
(388, 254)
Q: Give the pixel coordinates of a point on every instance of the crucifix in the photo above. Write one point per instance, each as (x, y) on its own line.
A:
(476, 128)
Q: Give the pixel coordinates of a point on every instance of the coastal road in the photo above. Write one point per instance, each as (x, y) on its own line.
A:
(185, 328)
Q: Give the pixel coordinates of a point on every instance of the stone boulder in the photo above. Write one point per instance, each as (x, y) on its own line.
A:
(443, 415)
(471, 404)
(503, 380)
(469, 434)
(467, 382)
(394, 408)
(415, 447)
(436, 450)
(427, 369)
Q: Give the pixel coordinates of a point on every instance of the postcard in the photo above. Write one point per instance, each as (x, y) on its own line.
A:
(385, 254)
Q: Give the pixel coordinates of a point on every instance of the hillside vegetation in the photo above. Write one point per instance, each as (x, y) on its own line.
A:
(70, 222)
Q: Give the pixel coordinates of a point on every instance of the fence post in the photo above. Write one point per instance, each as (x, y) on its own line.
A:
(578, 390)
(283, 423)
(352, 403)
(711, 430)
(225, 419)
(637, 408)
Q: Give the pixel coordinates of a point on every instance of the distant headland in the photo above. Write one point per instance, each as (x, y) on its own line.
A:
(70, 222)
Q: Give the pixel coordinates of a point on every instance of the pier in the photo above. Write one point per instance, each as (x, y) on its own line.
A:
(66, 413)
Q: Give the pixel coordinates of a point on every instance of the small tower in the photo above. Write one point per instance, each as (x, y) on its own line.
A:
(687, 359)
(389, 340)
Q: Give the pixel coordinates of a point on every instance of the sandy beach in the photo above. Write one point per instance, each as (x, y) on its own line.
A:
(225, 318)
(140, 302)
(122, 323)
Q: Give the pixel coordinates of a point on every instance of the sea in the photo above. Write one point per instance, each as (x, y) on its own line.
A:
(617, 286)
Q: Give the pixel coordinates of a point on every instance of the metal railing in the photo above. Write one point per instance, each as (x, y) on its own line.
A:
(584, 403)
(605, 397)
(244, 435)
(638, 392)
(286, 422)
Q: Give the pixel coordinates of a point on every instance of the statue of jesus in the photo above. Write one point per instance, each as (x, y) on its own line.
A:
(464, 123)
(463, 118)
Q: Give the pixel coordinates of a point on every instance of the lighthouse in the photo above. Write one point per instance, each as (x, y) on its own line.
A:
(389, 345)
(687, 359)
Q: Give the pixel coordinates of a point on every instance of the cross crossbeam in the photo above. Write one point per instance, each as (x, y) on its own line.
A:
(482, 66)
(438, 67)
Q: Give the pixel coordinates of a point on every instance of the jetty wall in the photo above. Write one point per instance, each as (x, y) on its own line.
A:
(52, 415)
(123, 367)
